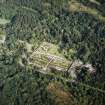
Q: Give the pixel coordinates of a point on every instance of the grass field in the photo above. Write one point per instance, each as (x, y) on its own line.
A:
(49, 48)
(2, 30)
(2, 35)
(47, 52)
(4, 21)
(76, 6)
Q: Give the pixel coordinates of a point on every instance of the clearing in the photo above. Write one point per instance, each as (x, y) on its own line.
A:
(2, 29)
(47, 55)
(76, 6)
(4, 21)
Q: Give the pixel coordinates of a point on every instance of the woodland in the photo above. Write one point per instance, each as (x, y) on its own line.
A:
(56, 22)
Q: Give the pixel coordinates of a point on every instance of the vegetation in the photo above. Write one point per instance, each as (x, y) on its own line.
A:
(4, 21)
(76, 31)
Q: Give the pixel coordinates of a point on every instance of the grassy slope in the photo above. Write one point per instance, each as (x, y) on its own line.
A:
(79, 7)
(2, 31)
(4, 21)
(41, 56)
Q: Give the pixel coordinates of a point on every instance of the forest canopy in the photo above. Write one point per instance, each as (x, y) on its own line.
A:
(74, 26)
